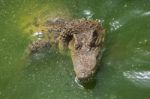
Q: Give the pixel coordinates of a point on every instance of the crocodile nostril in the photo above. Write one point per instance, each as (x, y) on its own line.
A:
(83, 77)
(78, 46)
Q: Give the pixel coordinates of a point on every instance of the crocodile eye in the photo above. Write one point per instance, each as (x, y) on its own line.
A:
(94, 38)
(95, 34)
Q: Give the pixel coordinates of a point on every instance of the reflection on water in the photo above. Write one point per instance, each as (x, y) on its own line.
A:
(88, 14)
(140, 79)
(146, 13)
(38, 35)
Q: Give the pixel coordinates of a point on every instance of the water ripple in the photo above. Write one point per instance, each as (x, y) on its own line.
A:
(115, 24)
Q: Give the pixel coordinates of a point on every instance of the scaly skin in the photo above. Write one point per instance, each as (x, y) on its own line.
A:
(84, 39)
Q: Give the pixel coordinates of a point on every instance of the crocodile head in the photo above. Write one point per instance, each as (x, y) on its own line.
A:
(84, 38)
(85, 47)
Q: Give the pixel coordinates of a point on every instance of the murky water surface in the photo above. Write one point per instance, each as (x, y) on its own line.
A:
(125, 67)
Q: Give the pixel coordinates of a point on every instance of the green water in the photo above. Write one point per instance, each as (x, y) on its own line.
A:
(125, 65)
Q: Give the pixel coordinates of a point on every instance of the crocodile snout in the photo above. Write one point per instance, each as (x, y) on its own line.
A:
(84, 77)
(84, 65)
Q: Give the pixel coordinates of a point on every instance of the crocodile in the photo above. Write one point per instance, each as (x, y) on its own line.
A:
(82, 37)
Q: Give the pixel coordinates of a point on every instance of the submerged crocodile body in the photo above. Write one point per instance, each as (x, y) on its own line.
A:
(84, 39)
